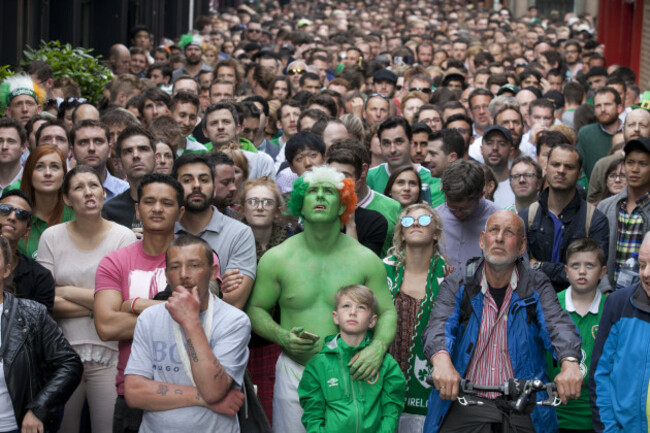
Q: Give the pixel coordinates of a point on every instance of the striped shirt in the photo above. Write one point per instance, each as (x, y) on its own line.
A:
(490, 363)
(630, 231)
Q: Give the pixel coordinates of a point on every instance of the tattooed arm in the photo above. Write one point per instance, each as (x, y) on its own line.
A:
(146, 394)
(209, 375)
(149, 394)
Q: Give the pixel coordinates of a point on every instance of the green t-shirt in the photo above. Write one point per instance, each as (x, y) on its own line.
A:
(244, 144)
(38, 226)
(390, 209)
(378, 178)
(576, 414)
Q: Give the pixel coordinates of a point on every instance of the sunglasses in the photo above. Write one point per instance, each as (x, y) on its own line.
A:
(296, 71)
(426, 90)
(423, 220)
(21, 215)
(254, 30)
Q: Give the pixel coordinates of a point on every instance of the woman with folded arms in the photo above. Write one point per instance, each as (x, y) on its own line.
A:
(72, 251)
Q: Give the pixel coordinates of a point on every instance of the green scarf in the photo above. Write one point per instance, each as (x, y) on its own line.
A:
(417, 389)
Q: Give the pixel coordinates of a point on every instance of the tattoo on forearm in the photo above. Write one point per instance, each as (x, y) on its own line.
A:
(178, 391)
(198, 396)
(190, 348)
(220, 370)
(163, 389)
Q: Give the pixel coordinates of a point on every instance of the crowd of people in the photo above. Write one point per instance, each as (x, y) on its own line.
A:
(322, 217)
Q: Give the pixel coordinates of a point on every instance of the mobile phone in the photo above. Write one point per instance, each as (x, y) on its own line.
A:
(309, 336)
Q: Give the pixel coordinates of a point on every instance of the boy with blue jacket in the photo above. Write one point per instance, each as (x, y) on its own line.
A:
(331, 400)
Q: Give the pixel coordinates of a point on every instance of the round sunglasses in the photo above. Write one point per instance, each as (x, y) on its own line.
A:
(423, 220)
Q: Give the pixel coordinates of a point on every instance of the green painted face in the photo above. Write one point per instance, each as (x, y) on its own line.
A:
(322, 203)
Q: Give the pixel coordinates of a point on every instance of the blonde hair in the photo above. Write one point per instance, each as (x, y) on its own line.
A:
(359, 294)
(268, 183)
(239, 159)
(567, 131)
(399, 246)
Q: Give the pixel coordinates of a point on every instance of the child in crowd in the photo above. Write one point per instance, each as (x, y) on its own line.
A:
(585, 266)
(331, 400)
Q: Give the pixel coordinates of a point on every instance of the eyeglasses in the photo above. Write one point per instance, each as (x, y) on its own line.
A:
(296, 71)
(524, 176)
(426, 90)
(21, 214)
(423, 220)
(616, 176)
(254, 203)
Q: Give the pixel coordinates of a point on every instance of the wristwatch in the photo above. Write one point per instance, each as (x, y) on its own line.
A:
(570, 359)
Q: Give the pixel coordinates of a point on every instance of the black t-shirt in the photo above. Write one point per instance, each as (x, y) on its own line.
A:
(498, 294)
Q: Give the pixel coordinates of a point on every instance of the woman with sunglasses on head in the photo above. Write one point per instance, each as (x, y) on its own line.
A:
(42, 178)
(263, 205)
(415, 268)
(71, 252)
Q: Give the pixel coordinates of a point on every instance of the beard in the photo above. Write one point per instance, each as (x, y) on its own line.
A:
(193, 60)
(197, 207)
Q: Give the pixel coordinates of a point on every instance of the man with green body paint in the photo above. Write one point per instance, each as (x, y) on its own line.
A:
(302, 276)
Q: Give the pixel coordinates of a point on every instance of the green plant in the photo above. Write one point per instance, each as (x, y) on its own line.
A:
(73, 62)
(5, 72)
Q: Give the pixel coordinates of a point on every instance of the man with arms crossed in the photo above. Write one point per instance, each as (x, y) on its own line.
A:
(293, 275)
(188, 354)
(128, 279)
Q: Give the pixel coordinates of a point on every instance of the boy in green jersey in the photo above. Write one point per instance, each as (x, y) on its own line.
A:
(585, 266)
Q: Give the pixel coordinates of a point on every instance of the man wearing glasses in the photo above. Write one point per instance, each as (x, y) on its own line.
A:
(253, 31)
(231, 240)
(525, 181)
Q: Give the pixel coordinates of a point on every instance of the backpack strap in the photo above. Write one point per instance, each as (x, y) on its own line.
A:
(532, 211)
(590, 214)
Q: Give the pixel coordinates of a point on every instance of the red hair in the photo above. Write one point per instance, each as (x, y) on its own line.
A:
(27, 186)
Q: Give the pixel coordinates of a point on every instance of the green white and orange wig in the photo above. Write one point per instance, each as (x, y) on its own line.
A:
(17, 85)
(320, 175)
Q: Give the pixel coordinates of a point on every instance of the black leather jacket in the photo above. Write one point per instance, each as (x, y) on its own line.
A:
(41, 368)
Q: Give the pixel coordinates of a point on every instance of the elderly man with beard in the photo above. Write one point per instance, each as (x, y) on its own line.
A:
(231, 240)
(501, 339)
(193, 51)
(595, 140)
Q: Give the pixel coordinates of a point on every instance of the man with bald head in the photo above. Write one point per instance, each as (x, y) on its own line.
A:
(119, 59)
(511, 317)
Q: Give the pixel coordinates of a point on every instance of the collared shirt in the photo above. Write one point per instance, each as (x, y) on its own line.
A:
(280, 157)
(113, 186)
(630, 231)
(490, 364)
(594, 308)
(231, 240)
(13, 181)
